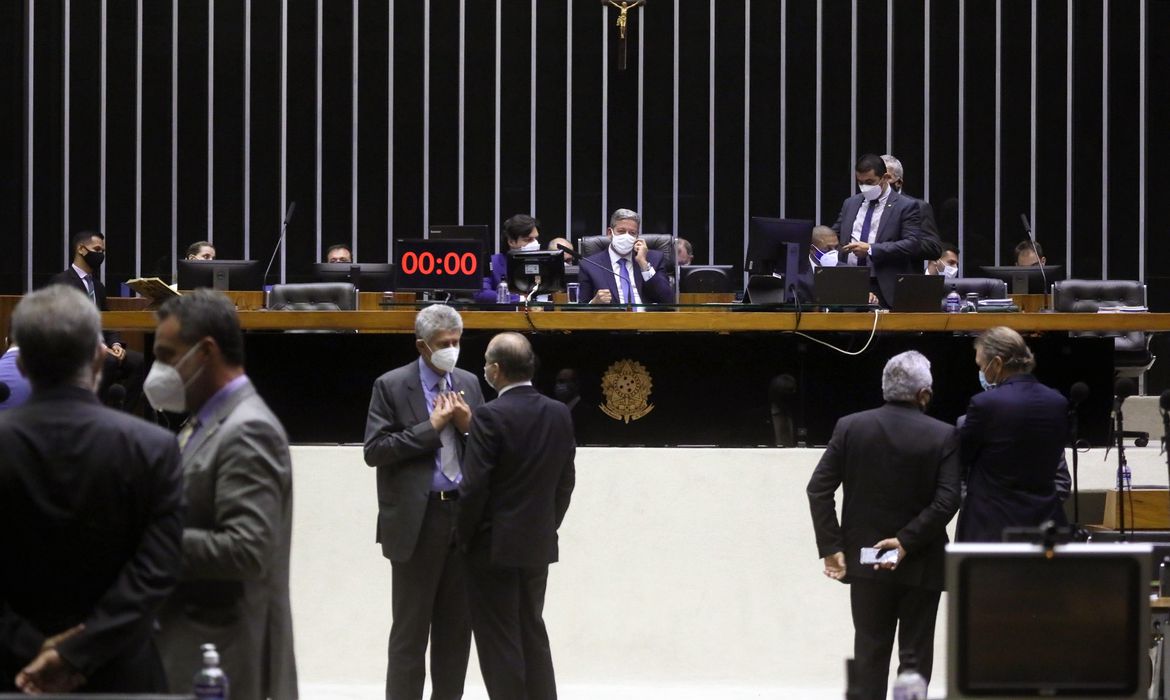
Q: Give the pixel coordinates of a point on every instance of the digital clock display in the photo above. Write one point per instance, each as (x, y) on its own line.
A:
(439, 264)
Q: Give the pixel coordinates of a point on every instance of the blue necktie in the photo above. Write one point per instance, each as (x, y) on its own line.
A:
(89, 288)
(865, 225)
(626, 285)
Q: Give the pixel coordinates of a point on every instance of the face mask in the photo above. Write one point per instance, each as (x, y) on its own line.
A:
(871, 192)
(983, 381)
(950, 270)
(564, 392)
(444, 359)
(164, 386)
(487, 378)
(827, 258)
(94, 258)
(622, 243)
(530, 246)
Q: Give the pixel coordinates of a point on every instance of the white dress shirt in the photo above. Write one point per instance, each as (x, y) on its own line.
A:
(859, 221)
(632, 269)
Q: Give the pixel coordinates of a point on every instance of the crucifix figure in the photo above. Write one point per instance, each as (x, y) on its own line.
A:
(623, 7)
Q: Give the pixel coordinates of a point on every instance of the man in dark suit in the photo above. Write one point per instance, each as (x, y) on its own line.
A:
(899, 494)
(419, 417)
(122, 365)
(237, 473)
(518, 478)
(884, 230)
(1011, 443)
(90, 517)
(925, 210)
(638, 275)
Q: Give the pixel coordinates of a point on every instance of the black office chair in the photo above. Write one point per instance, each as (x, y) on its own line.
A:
(316, 296)
(985, 287)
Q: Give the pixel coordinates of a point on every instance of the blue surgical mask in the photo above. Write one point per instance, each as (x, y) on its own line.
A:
(983, 381)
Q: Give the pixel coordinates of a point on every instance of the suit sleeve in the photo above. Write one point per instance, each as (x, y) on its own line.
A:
(568, 472)
(249, 507)
(913, 244)
(822, 488)
(930, 227)
(657, 288)
(479, 458)
(19, 639)
(585, 280)
(971, 430)
(124, 614)
(389, 441)
(930, 525)
(840, 215)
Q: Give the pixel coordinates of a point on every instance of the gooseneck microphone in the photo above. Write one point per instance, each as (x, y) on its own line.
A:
(578, 258)
(1077, 394)
(1122, 390)
(1032, 239)
(288, 215)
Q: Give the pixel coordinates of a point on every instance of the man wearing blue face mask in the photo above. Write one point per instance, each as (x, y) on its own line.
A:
(419, 417)
(637, 275)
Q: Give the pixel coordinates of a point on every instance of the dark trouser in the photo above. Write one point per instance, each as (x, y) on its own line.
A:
(130, 373)
(507, 607)
(429, 599)
(880, 607)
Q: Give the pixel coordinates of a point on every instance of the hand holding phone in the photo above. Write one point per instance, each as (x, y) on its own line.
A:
(875, 556)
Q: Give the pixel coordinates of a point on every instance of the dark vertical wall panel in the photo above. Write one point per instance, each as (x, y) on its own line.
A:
(479, 104)
(1087, 74)
(800, 139)
(1050, 225)
(12, 142)
(979, 140)
(192, 118)
(944, 108)
(766, 153)
(729, 132)
(1015, 190)
(337, 114)
(837, 181)
(46, 148)
(909, 74)
(1122, 163)
(408, 117)
(156, 139)
(658, 121)
(85, 108)
(693, 160)
(266, 207)
(373, 42)
(228, 185)
(444, 114)
(121, 173)
(587, 119)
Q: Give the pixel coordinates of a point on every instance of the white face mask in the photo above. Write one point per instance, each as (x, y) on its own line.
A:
(950, 270)
(829, 259)
(164, 386)
(530, 246)
(444, 359)
(488, 378)
(871, 192)
(622, 243)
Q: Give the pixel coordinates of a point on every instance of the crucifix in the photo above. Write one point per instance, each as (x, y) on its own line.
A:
(623, 7)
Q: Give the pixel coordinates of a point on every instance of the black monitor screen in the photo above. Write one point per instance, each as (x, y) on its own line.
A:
(1040, 627)
(247, 275)
(1026, 279)
(778, 246)
(369, 277)
(543, 269)
(454, 265)
(705, 279)
(478, 232)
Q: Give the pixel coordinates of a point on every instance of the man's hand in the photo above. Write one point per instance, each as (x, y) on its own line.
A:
(835, 566)
(56, 639)
(890, 543)
(48, 673)
(460, 411)
(858, 248)
(873, 300)
(116, 351)
(603, 296)
(640, 255)
(442, 412)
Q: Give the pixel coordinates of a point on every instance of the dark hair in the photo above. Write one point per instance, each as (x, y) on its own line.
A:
(952, 247)
(193, 249)
(338, 246)
(206, 313)
(872, 162)
(513, 353)
(82, 237)
(1027, 245)
(518, 226)
(58, 331)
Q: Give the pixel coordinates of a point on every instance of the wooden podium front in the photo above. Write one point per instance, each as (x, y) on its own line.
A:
(1148, 509)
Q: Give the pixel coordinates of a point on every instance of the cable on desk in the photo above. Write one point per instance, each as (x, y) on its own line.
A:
(872, 335)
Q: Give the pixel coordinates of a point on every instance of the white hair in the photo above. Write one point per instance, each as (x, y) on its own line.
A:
(623, 214)
(905, 375)
(893, 166)
(436, 318)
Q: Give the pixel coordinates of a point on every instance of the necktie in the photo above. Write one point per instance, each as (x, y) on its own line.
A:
(187, 431)
(865, 226)
(89, 288)
(627, 286)
(449, 447)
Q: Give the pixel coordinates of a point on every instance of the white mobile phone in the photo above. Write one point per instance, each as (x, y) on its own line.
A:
(872, 555)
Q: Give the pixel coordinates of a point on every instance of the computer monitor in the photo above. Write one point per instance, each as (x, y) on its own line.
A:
(439, 265)
(705, 279)
(478, 232)
(221, 274)
(778, 245)
(543, 270)
(366, 277)
(1025, 624)
(1026, 279)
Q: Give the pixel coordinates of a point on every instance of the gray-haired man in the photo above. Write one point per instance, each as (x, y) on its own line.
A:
(900, 471)
(636, 274)
(419, 417)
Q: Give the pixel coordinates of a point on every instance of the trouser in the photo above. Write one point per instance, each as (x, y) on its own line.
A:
(880, 608)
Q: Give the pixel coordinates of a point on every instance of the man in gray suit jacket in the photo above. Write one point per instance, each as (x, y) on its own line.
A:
(419, 418)
(884, 230)
(233, 591)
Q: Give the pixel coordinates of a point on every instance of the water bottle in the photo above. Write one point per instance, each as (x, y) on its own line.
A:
(910, 685)
(502, 296)
(211, 681)
(954, 302)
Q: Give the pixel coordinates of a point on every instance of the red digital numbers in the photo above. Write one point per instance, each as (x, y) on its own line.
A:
(425, 263)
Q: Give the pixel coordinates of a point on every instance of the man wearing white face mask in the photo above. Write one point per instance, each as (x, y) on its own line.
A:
(884, 229)
(822, 252)
(948, 264)
(237, 478)
(419, 417)
(636, 275)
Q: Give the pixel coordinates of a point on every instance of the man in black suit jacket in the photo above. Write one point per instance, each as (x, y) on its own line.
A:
(90, 517)
(1011, 443)
(517, 480)
(419, 417)
(122, 365)
(638, 275)
(884, 230)
(899, 492)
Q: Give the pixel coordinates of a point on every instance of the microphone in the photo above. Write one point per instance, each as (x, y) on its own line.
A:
(288, 214)
(1079, 391)
(578, 258)
(1027, 226)
(1032, 238)
(1122, 390)
(5, 392)
(116, 396)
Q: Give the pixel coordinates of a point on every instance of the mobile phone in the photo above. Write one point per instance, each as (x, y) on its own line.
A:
(873, 555)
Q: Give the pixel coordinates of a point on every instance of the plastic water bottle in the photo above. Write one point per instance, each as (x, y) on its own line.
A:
(502, 296)
(211, 681)
(910, 685)
(954, 302)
